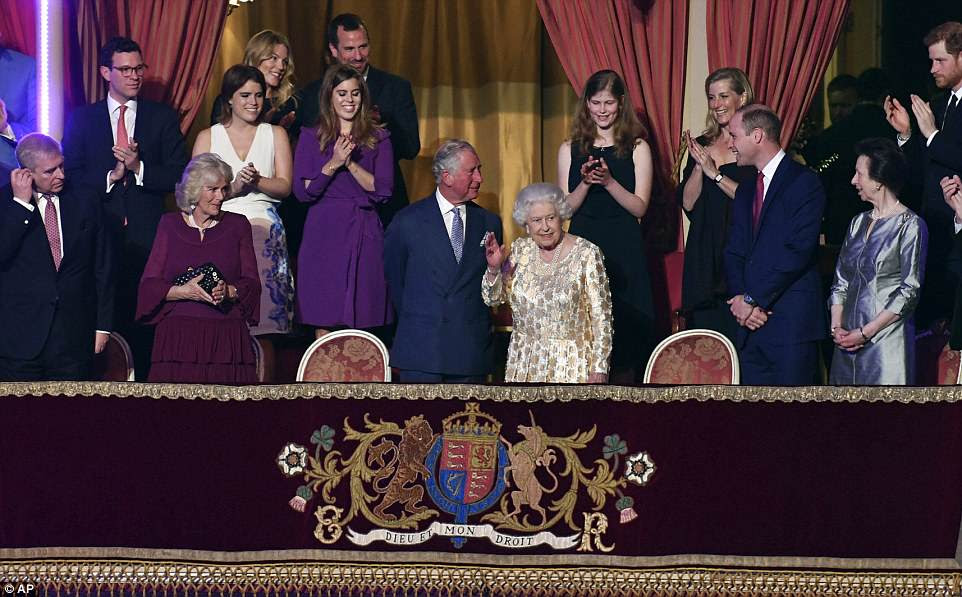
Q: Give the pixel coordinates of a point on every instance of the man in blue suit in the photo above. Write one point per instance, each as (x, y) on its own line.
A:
(770, 257)
(131, 153)
(18, 105)
(56, 276)
(434, 261)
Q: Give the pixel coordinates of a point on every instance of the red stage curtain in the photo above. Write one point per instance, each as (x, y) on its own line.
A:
(647, 42)
(783, 46)
(179, 39)
(18, 26)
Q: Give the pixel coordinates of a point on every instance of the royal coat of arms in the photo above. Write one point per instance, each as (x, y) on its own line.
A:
(517, 492)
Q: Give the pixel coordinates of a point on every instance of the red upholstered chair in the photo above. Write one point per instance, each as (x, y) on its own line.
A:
(950, 373)
(693, 357)
(115, 363)
(345, 355)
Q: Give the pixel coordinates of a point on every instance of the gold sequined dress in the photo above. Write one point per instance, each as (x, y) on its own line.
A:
(561, 313)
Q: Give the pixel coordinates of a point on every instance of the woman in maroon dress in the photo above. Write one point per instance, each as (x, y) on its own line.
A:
(202, 337)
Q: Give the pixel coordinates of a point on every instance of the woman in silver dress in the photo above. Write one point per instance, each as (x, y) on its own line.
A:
(878, 276)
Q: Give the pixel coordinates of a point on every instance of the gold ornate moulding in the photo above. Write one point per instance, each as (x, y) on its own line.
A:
(336, 578)
(506, 393)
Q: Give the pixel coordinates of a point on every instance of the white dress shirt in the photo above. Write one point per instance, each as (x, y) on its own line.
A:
(769, 170)
(447, 212)
(130, 119)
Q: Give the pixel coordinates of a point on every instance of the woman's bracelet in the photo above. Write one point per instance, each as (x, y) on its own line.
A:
(865, 339)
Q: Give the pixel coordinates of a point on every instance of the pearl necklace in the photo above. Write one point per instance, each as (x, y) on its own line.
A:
(879, 216)
(550, 264)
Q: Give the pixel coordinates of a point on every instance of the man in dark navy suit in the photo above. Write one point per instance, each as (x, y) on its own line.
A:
(56, 277)
(131, 153)
(391, 100)
(434, 261)
(936, 153)
(770, 257)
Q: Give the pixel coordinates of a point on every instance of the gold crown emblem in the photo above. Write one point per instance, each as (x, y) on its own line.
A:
(472, 422)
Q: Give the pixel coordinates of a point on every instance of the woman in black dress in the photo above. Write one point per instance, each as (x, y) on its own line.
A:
(270, 52)
(709, 182)
(605, 168)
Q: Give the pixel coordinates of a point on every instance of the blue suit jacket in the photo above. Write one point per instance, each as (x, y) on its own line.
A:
(88, 157)
(777, 267)
(18, 90)
(443, 325)
(32, 289)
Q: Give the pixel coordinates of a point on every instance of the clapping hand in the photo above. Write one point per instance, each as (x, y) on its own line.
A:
(701, 156)
(924, 116)
(952, 190)
(128, 156)
(246, 178)
(343, 148)
(21, 183)
(897, 116)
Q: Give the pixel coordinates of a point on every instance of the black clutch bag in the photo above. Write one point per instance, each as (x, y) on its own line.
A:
(212, 276)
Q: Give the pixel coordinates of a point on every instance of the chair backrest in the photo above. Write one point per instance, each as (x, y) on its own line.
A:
(345, 355)
(115, 363)
(258, 359)
(950, 373)
(693, 357)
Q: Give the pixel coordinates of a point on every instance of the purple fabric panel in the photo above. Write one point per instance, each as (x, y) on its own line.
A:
(862, 480)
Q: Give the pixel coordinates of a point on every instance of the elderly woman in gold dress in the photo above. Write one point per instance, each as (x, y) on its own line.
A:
(558, 291)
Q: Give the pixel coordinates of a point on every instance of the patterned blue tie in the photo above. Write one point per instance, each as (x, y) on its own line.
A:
(457, 235)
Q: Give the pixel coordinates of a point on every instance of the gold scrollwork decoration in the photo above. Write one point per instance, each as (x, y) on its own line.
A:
(596, 525)
(328, 518)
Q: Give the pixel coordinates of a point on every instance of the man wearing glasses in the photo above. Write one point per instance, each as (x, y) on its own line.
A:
(131, 152)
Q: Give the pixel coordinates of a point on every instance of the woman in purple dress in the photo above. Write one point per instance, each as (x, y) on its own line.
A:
(202, 337)
(343, 168)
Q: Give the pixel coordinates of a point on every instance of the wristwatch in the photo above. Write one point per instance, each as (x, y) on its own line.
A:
(718, 178)
(749, 300)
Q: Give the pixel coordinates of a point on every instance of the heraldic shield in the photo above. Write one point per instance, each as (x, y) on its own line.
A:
(467, 464)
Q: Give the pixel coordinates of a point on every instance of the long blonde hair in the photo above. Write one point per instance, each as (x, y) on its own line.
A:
(328, 125)
(738, 81)
(260, 48)
(627, 128)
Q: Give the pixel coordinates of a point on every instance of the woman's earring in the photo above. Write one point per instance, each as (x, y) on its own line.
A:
(878, 187)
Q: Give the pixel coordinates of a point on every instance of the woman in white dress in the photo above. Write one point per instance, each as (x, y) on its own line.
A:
(260, 155)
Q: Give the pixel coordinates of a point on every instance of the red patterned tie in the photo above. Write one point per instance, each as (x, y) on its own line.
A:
(123, 140)
(53, 231)
(759, 198)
